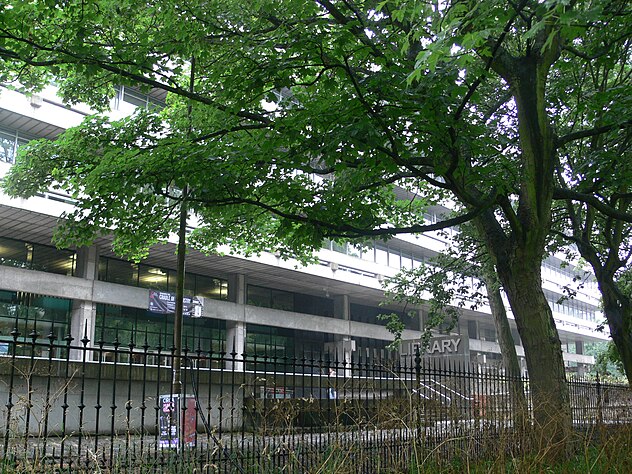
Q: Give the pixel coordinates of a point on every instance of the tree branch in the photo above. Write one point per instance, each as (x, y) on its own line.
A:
(561, 194)
(578, 135)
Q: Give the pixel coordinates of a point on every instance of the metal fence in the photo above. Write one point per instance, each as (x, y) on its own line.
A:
(80, 406)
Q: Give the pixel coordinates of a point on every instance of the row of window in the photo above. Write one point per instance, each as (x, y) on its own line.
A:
(16, 253)
(289, 301)
(378, 253)
(161, 279)
(570, 307)
(320, 306)
(139, 327)
(50, 259)
(557, 274)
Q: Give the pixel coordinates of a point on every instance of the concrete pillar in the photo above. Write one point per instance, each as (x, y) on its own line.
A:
(236, 330)
(579, 347)
(84, 313)
(342, 308)
(235, 345)
(343, 345)
(237, 288)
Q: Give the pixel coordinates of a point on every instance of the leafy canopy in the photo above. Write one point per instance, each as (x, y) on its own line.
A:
(305, 113)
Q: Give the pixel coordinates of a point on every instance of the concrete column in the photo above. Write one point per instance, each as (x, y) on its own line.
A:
(237, 288)
(343, 345)
(235, 345)
(579, 347)
(84, 313)
(236, 330)
(342, 308)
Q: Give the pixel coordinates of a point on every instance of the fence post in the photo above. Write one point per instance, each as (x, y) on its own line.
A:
(417, 389)
(599, 401)
(7, 428)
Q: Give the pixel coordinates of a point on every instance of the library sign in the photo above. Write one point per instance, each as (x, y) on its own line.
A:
(162, 302)
(441, 348)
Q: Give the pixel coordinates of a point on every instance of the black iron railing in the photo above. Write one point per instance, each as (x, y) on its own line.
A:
(83, 405)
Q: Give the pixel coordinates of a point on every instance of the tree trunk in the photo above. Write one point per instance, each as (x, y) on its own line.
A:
(543, 352)
(618, 313)
(507, 348)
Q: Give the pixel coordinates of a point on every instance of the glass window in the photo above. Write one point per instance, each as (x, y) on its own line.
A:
(407, 261)
(10, 140)
(158, 278)
(259, 296)
(282, 300)
(354, 250)
(136, 98)
(268, 340)
(132, 324)
(189, 284)
(487, 333)
(314, 305)
(394, 259)
(472, 329)
(211, 287)
(339, 247)
(288, 301)
(8, 143)
(369, 314)
(270, 298)
(52, 260)
(154, 278)
(381, 255)
(40, 314)
(14, 253)
(119, 271)
(368, 253)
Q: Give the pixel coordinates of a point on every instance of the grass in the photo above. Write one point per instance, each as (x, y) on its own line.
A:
(604, 452)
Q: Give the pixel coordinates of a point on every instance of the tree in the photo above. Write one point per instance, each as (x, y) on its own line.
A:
(307, 113)
(598, 165)
(446, 284)
(605, 244)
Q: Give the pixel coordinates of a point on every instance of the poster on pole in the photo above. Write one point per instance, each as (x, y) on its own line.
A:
(162, 302)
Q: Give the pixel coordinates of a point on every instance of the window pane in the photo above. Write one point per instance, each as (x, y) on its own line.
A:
(154, 278)
(211, 287)
(282, 300)
(52, 260)
(381, 255)
(121, 272)
(407, 261)
(14, 253)
(259, 296)
(394, 259)
(7, 147)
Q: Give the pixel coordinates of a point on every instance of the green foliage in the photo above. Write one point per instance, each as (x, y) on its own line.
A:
(304, 117)
(608, 362)
(371, 96)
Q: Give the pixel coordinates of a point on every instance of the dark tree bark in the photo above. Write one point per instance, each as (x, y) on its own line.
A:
(617, 309)
(507, 347)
